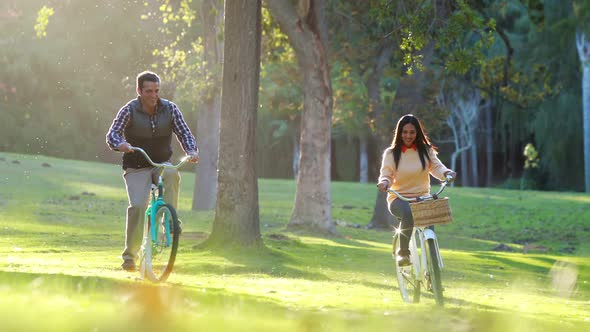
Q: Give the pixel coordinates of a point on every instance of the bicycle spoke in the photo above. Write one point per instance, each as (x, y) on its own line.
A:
(434, 274)
(409, 286)
(163, 246)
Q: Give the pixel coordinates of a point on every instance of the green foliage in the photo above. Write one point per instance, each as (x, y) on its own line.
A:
(460, 39)
(59, 93)
(532, 156)
(179, 58)
(280, 98)
(558, 133)
(66, 68)
(43, 20)
(526, 85)
(581, 11)
(350, 114)
(532, 177)
(465, 38)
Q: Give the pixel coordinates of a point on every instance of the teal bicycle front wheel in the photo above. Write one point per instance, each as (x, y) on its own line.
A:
(160, 248)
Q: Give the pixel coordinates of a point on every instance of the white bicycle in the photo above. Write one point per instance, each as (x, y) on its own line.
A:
(426, 260)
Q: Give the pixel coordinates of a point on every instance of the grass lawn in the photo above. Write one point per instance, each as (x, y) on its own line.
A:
(62, 231)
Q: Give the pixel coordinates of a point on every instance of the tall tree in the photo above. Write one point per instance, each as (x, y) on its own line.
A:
(512, 82)
(582, 14)
(463, 106)
(205, 191)
(281, 99)
(194, 48)
(362, 46)
(237, 211)
(412, 37)
(583, 46)
(304, 24)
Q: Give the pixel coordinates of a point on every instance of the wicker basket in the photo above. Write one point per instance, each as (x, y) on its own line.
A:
(432, 212)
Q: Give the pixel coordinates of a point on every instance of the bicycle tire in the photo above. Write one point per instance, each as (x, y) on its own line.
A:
(159, 256)
(434, 272)
(406, 277)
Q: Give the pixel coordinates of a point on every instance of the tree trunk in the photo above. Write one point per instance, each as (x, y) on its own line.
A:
(296, 152)
(334, 175)
(381, 214)
(237, 211)
(363, 160)
(464, 161)
(205, 191)
(489, 145)
(474, 163)
(381, 218)
(584, 53)
(304, 23)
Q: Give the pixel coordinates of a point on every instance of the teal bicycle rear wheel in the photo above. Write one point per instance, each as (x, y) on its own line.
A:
(160, 253)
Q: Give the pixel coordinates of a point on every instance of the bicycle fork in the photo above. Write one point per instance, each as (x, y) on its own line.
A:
(153, 216)
(430, 235)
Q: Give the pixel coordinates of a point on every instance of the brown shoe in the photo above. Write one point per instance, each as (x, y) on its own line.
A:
(129, 265)
(403, 260)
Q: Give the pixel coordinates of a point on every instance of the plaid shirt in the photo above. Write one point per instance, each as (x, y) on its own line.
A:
(179, 127)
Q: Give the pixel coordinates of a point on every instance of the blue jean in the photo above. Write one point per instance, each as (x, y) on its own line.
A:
(400, 209)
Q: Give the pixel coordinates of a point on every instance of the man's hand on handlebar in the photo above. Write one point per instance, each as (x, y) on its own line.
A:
(193, 157)
(125, 148)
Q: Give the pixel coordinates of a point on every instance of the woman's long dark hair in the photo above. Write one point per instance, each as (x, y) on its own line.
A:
(422, 141)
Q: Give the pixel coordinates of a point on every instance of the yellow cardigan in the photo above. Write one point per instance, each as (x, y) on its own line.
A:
(410, 179)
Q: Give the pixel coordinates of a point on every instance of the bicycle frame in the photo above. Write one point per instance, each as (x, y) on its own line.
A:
(422, 234)
(157, 201)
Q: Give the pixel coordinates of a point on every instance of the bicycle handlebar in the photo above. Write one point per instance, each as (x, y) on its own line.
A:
(149, 160)
(443, 184)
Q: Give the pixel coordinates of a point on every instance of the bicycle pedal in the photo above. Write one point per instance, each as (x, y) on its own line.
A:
(405, 268)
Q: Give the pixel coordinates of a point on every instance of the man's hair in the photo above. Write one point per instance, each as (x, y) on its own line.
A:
(146, 76)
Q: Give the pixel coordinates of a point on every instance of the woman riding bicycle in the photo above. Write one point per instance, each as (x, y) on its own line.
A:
(405, 168)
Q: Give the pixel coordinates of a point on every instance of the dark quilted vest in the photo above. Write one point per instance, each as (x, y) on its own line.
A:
(155, 141)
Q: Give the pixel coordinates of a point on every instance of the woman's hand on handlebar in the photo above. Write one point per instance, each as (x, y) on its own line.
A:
(383, 185)
(451, 176)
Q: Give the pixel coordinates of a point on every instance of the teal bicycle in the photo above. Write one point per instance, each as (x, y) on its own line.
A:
(161, 231)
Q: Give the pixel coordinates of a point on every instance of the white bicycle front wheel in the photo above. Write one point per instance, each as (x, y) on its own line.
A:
(433, 278)
(407, 276)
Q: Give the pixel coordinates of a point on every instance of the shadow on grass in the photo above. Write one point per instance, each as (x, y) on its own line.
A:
(150, 297)
(518, 264)
(281, 250)
(51, 242)
(272, 259)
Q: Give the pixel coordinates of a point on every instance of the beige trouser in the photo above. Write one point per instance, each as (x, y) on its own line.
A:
(138, 182)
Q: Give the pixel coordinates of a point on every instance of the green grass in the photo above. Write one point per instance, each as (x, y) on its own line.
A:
(60, 256)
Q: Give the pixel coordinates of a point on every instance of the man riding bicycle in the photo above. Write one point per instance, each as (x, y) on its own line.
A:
(147, 122)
